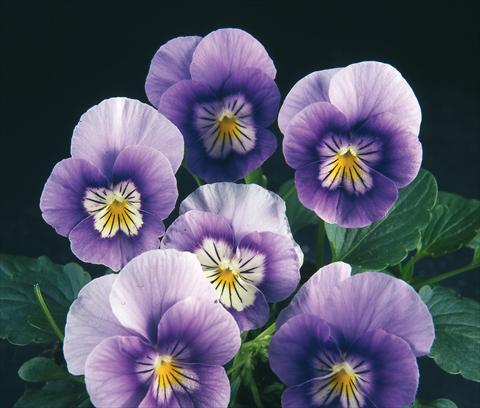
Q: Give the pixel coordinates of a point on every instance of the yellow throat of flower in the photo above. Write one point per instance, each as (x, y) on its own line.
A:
(343, 380)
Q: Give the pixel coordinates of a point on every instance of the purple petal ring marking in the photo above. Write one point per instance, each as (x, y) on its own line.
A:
(115, 209)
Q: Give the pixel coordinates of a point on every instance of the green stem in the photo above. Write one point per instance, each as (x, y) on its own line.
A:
(320, 244)
(255, 394)
(197, 179)
(289, 192)
(46, 312)
(445, 275)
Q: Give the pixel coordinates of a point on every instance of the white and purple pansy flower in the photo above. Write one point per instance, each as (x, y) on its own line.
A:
(111, 196)
(241, 237)
(359, 339)
(152, 336)
(351, 134)
(220, 91)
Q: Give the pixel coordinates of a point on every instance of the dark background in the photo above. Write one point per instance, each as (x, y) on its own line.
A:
(60, 58)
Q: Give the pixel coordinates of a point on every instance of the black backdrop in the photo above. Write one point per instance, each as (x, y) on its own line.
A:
(61, 57)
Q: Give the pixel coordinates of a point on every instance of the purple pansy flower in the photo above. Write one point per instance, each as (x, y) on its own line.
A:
(241, 237)
(360, 336)
(152, 336)
(351, 134)
(111, 196)
(220, 91)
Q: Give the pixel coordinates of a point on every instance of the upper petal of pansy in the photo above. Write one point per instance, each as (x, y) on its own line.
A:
(368, 88)
(224, 51)
(107, 128)
(269, 262)
(118, 372)
(196, 331)
(150, 172)
(347, 209)
(294, 347)
(153, 282)
(247, 207)
(170, 64)
(62, 197)
(89, 321)
(393, 150)
(370, 301)
(309, 130)
(312, 295)
(310, 89)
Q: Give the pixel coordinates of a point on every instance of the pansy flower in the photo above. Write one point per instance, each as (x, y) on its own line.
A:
(241, 237)
(111, 196)
(220, 91)
(152, 336)
(359, 339)
(351, 134)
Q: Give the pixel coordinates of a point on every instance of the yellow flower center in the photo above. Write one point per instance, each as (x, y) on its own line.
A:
(343, 380)
(167, 373)
(227, 124)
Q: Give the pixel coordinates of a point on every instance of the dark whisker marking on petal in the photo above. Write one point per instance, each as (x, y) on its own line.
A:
(216, 251)
(244, 135)
(211, 276)
(181, 350)
(238, 281)
(106, 222)
(247, 279)
(246, 262)
(241, 143)
(329, 359)
(207, 118)
(365, 146)
(213, 281)
(239, 109)
(186, 376)
(358, 365)
(323, 362)
(330, 147)
(335, 142)
(234, 104)
(230, 294)
(206, 110)
(251, 270)
(95, 201)
(223, 288)
(208, 254)
(218, 284)
(238, 294)
(130, 193)
(143, 371)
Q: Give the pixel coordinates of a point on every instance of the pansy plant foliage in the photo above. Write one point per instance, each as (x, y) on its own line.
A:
(218, 286)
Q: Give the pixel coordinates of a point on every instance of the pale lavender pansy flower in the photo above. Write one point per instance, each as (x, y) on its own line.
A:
(351, 134)
(111, 196)
(241, 237)
(220, 91)
(360, 336)
(152, 336)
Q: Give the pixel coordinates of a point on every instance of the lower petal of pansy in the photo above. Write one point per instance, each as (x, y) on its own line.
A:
(89, 321)
(269, 261)
(336, 205)
(197, 331)
(153, 282)
(311, 297)
(115, 251)
(401, 151)
(188, 386)
(251, 316)
(118, 372)
(62, 197)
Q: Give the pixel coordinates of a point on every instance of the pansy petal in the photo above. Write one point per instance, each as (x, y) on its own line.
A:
(370, 301)
(310, 89)
(107, 128)
(224, 51)
(170, 64)
(368, 88)
(153, 177)
(197, 331)
(234, 166)
(153, 282)
(308, 129)
(311, 297)
(294, 346)
(62, 197)
(116, 372)
(401, 154)
(253, 316)
(338, 206)
(189, 231)
(89, 321)
(278, 272)
(210, 388)
(88, 245)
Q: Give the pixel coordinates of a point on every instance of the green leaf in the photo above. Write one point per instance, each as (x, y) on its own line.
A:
(439, 403)
(21, 319)
(454, 223)
(257, 177)
(298, 216)
(57, 394)
(42, 369)
(457, 331)
(388, 241)
(475, 245)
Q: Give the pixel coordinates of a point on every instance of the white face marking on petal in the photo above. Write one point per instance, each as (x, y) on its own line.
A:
(225, 126)
(115, 209)
(234, 276)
